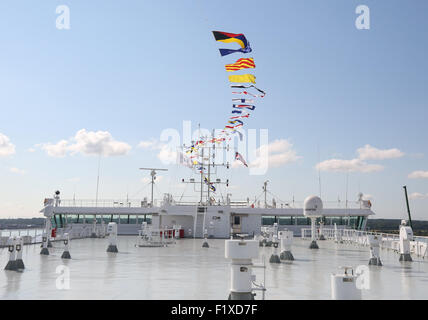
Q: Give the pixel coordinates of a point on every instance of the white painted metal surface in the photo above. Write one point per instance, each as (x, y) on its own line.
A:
(241, 252)
(185, 271)
(344, 285)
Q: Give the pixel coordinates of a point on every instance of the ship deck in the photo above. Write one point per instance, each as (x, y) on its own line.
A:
(185, 270)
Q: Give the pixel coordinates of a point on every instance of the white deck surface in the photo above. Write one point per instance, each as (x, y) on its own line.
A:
(188, 271)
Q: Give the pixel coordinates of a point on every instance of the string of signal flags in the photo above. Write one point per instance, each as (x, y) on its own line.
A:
(244, 91)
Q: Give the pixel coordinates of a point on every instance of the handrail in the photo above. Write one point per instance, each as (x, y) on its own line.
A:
(418, 246)
(138, 203)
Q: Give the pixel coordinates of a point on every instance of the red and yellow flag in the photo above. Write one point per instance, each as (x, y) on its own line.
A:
(243, 63)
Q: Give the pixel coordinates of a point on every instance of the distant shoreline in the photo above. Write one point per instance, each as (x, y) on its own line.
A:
(21, 223)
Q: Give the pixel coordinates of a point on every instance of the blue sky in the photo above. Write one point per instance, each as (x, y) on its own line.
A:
(135, 68)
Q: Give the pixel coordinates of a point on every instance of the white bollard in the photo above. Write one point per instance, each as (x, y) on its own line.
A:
(66, 253)
(177, 229)
(344, 285)
(112, 237)
(313, 244)
(103, 229)
(45, 243)
(406, 235)
(205, 243)
(241, 252)
(268, 239)
(19, 247)
(274, 258)
(286, 238)
(321, 231)
(273, 232)
(11, 264)
(94, 229)
(374, 250)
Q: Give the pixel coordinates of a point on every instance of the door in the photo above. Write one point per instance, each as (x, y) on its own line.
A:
(236, 224)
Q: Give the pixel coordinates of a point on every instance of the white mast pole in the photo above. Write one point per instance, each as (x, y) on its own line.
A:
(98, 180)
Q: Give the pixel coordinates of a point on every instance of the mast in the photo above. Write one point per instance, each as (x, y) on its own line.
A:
(153, 175)
(408, 207)
(319, 172)
(98, 180)
(209, 175)
(202, 176)
(265, 191)
(209, 165)
(206, 162)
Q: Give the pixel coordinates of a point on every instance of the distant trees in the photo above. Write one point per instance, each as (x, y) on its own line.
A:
(420, 228)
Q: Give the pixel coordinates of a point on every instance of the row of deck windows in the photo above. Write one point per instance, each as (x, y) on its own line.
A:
(60, 220)
(356, 222)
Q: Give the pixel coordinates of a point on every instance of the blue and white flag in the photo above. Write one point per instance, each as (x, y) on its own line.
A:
(225, 52)
(243, 106)
(243, 100)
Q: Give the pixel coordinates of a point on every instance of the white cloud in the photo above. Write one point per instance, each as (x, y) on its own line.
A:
(17, 171)
(167, 155)
(150, 144)
(6, 147)
(417, 195)
(276, 146)
(75, 179)
(354, 165)
(58, 149)
(371, 153)
(359, 164)
(87, 143)
(418, 174)
(167, 152)
(275, 154)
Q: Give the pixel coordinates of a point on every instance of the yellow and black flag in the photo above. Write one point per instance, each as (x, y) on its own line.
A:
(227, 37)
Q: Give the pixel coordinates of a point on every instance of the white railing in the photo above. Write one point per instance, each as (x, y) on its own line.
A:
(30, 236)
(190, 200)
(419, 245)
(81, 231)
(148, 237)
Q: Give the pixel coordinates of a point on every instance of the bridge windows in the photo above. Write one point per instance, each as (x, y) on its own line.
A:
(285, 221)
(354, 222)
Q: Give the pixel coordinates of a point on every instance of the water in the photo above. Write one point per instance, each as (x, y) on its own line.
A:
(188, 271)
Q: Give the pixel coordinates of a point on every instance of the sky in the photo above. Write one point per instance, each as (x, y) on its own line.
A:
(345, 108)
